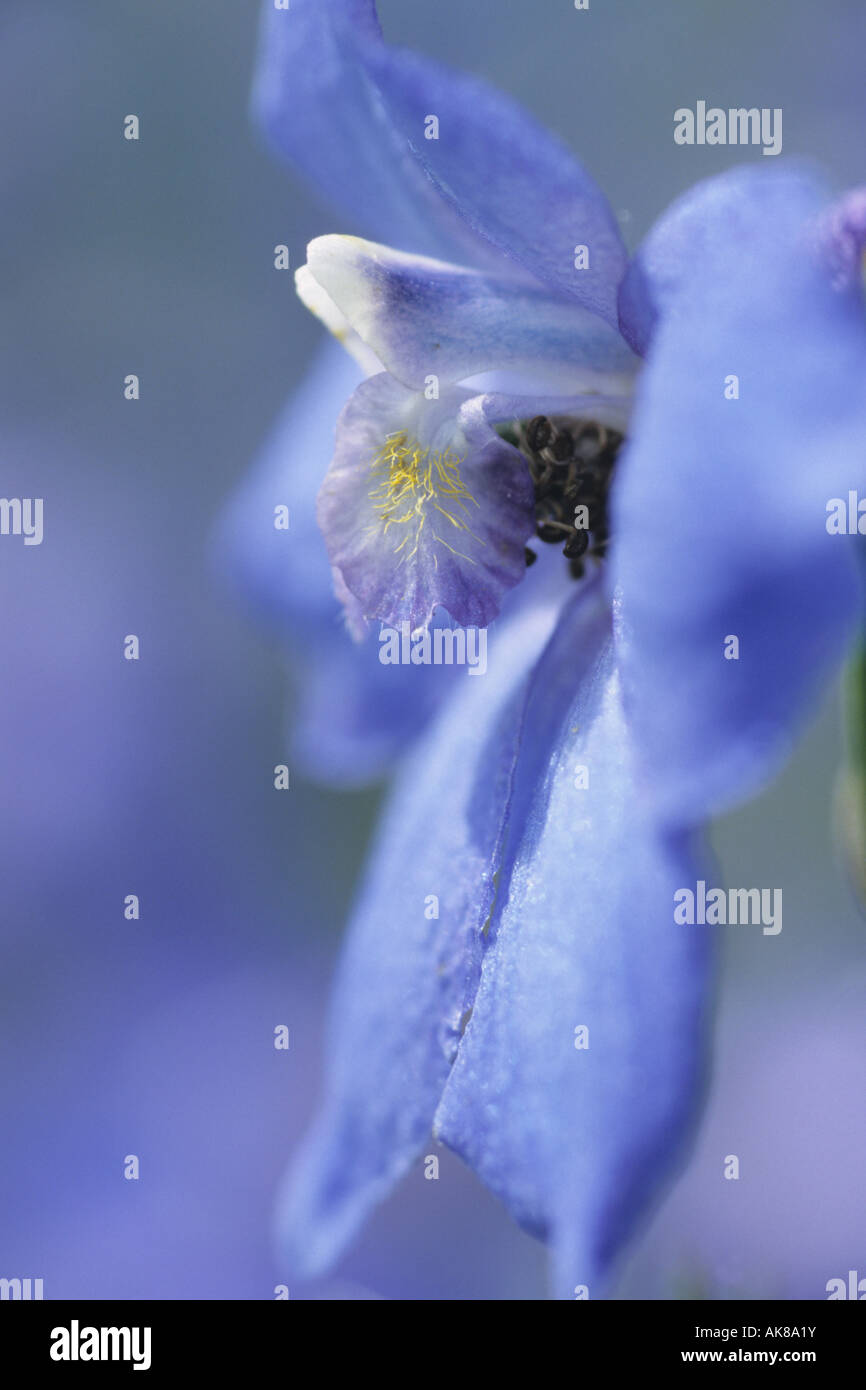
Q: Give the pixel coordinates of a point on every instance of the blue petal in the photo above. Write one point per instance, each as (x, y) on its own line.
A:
(513, 182)
(407, 977)
(285, 574)
(575, 1141)
(843, 239)
(352, 715)
(351, 112)
(720, 505)
(424, 506)
(727, 211)
(319, 105)
(422, 316)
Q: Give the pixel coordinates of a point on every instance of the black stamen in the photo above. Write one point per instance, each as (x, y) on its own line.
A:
(571, 464)
(576, 545)
(539, 433)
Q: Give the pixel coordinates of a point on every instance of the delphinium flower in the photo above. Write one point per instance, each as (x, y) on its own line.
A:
(667, 432)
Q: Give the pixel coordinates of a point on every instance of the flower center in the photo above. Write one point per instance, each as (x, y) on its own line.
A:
(414, 487)
(571, 463)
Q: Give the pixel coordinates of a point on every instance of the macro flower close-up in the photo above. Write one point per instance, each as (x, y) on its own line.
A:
(433, 538)
(621, 465)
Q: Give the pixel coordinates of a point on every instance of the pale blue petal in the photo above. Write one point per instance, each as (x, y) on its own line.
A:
(352, 113)
(515, 184)
(720, 503)
(577, 1141)
(285, 574)
(843, 239)
(407, 976)
(351, 716)
(718, 214)
(424, 317)
(320, 107)
(453, 537)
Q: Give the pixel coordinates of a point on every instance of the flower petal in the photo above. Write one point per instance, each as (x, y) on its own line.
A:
(352, 716)
(353, 114)
(423, 317)
(320, 303)
(409, 969)
(751, 416)
(575, 1131)
(285, 574)
(424, 507)
(842, 235)
(319, 105)
(513, 182)
(727, 211)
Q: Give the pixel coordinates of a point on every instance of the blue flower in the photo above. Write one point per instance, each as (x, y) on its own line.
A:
(425, 506)
(514, 975)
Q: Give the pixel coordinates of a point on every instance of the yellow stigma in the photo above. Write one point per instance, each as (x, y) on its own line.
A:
(413, 488)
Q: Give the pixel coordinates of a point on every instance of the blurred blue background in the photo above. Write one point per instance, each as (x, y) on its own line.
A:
(155, 1037)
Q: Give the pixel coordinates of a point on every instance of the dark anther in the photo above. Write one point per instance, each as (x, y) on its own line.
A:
(561, 447)
(530, 555)
(571, 464)
(543, 479)
(576, 545)
(539, 433)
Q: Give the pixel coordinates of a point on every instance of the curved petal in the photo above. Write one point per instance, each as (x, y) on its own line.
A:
(284, 573)
(497, 404)
(352, 716)
(320, 303)
(575, 1129)
(353, 114)
(514, 183)
(424, 507)
(423, 317)
(320, 107)
(409, 970)
(730, 211)
(750, 417)
(842, 237)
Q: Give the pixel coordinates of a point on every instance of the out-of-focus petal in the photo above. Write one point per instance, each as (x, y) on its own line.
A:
(422, 316)
(409, 970)
(354, 114)
(750, 418)
(352, 716)
(729, 211)
(842, 239)
(285, 574)
(423, 508)
(575, 1129)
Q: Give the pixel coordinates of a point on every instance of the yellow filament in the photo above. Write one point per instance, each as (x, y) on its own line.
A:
(409, 483)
